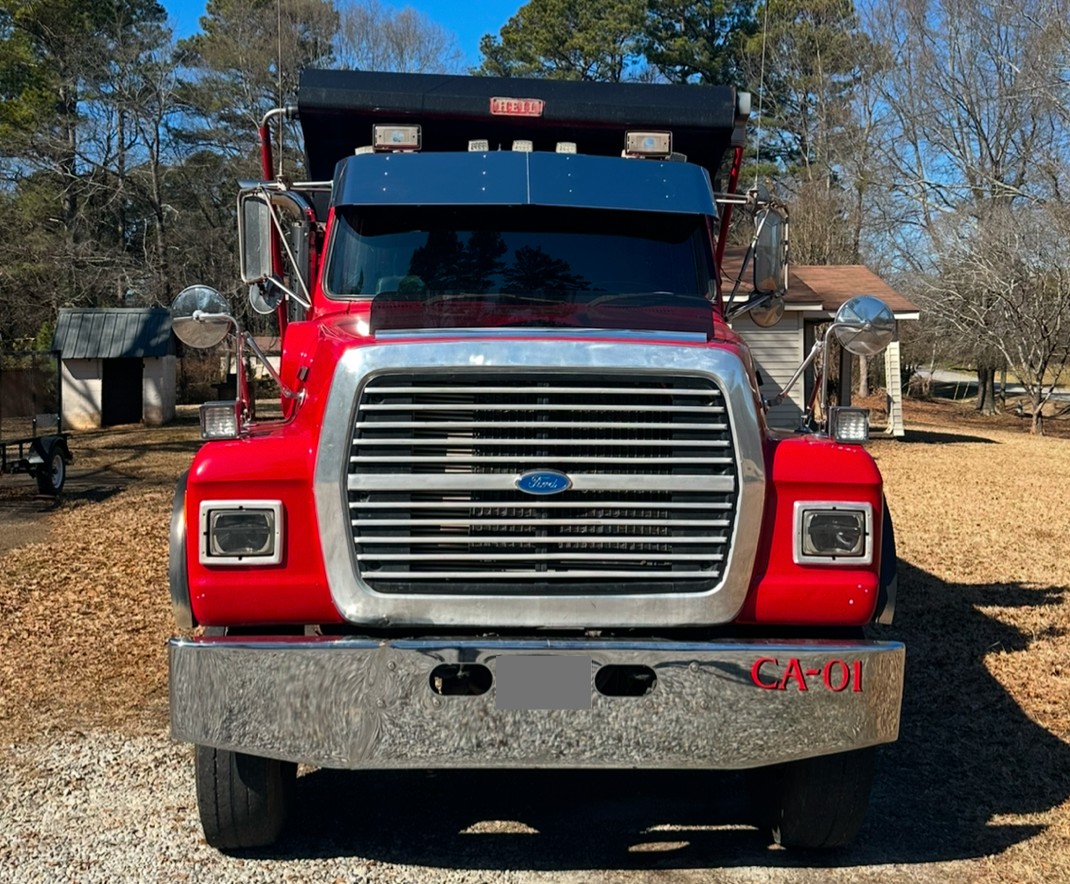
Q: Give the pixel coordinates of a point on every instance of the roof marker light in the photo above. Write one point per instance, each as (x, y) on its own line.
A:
(396, 137)
(648, 144)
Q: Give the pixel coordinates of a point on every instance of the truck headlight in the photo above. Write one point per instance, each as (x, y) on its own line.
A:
(241, 532)
(833, 533)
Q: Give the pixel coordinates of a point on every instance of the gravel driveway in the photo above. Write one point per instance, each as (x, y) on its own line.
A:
(102, 808)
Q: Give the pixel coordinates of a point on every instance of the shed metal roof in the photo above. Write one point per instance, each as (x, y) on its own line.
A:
(114, 333)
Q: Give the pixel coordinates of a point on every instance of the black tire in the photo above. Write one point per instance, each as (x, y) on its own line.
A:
(816, 802)
(53, 472)
(243, 800)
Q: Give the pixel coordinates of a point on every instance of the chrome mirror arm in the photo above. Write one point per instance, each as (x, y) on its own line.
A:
(243, 339)
(822, 347)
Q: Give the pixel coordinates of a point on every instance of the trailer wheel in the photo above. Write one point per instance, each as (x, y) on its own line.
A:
(815, 802)
(53, 472)
(243, 800)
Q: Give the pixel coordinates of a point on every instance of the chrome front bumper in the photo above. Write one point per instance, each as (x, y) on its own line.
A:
(355, 703)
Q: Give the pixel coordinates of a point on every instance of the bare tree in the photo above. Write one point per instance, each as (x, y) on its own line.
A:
(976, 131)
(374, 37)
(1008, 287)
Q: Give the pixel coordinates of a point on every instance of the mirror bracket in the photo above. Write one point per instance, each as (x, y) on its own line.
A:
(863, 313)
(199, 319)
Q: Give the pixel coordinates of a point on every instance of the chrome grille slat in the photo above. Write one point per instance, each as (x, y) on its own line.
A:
(454, 441)
(534, 504)
(569, 574)
(457, 481)
(551, 459)
(524, 406)
(677, 523)
(597, 425)
(435, 457)
(529, 540)
(383, 390)
(538, 557)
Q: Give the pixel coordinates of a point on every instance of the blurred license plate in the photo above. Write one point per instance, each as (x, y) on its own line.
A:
(543, 682)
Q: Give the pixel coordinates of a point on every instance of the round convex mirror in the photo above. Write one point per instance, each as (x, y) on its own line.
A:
(265, 297)
(871, 325)
(769, 313)
(202, 332)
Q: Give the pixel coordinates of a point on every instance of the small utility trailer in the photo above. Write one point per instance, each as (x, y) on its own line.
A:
(31, 434)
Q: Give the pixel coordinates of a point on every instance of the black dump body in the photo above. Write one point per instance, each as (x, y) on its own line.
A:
(338, 109)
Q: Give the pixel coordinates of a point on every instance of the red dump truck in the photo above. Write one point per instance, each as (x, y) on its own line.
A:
(523, 508)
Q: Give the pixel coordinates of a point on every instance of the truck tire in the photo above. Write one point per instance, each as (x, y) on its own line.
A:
(243, 800)
(53, 472)
(815, 802)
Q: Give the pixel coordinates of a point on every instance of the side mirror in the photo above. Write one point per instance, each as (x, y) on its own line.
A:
(867, 325)
(770, 253)
(200, 316)
(769, 313)
(254, 236)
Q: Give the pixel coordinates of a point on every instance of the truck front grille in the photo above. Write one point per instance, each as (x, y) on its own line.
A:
(435, 508)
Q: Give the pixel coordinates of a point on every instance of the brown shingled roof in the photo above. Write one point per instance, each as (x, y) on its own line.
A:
(826, 285)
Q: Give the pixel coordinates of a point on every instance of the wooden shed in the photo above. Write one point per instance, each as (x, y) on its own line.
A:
(815, 293)
(118, 366)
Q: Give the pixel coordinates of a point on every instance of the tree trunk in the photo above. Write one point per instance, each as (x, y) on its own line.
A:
(1037, 427)
(863, 377)
(986, 390)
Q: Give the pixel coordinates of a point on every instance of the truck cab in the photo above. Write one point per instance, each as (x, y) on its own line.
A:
(523, 508)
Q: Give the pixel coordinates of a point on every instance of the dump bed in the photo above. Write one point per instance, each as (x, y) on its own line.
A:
(338, 109)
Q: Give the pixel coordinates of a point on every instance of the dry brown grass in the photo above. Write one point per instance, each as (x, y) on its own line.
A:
(980, 775)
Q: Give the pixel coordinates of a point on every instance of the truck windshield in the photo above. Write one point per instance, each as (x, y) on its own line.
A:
(529, 265)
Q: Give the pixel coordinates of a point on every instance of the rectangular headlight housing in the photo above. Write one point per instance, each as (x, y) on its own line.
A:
(241, 532)
(849, 424)
(833, 533)
(221, 420)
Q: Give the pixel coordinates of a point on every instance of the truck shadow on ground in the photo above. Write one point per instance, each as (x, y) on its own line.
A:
(966, 753)
(934, 437)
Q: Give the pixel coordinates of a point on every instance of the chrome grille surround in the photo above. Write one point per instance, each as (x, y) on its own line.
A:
(640, 576)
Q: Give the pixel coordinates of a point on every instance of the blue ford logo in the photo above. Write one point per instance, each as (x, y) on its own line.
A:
(543, 482)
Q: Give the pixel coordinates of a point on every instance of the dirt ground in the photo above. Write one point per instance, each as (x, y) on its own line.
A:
(979, 782)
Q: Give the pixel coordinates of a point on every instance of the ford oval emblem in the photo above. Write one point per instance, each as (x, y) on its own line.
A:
(543, 482)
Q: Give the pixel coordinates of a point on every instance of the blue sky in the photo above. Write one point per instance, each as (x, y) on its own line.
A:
(468, 20)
